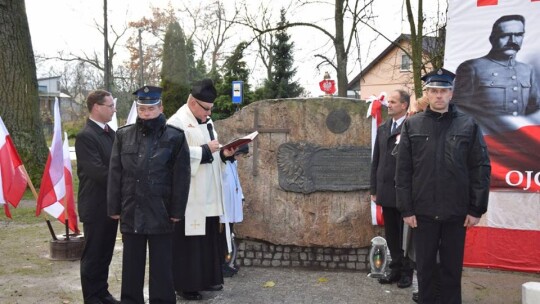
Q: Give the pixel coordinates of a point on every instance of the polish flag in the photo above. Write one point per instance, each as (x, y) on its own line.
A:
(70, 196)
(375, 111)
(132, 116)
(113, 124)
(12, 177)
(53, 185)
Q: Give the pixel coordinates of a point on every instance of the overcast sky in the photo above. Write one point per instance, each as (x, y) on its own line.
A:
(69, 25)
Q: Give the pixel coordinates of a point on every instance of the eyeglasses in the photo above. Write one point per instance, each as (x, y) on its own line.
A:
(203, 107)
(111, 106)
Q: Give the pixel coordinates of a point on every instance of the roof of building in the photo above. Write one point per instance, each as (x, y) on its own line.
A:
(428, 43)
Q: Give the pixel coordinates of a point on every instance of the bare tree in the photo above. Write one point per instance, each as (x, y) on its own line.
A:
(152, 32)
(423, 52)
(343, 41)
(212, 26)
(19, 104)
(262, 19)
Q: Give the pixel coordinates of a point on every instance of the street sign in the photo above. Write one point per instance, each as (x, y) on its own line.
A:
(237, 92)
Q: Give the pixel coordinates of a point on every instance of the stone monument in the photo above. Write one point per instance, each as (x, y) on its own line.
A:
(306, 182)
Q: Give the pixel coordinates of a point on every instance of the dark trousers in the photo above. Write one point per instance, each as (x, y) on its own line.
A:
(197, 260)
(161, 288)
(449, 239)
(393, 230)
(100, 237)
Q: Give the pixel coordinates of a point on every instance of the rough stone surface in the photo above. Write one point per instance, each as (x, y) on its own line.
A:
(322, 218)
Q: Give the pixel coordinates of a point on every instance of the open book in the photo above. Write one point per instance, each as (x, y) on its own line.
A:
(240, 141)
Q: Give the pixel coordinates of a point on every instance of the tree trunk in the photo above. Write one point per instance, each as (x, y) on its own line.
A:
(19, 100)
(416, 44)
(341, 54)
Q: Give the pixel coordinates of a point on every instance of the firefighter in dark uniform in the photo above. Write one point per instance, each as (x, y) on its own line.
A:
(442, 185)
(149, 177)
(498, 84)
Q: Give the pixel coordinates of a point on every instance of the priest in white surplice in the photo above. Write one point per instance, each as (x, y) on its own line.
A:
(196, 248)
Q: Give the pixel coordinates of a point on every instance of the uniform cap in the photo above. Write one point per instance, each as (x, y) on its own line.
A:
(243, 149)
(204, 90)
(439, 78)
(148, 95)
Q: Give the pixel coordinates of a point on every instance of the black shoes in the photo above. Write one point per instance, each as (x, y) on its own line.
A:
(228, 271)
(93, 301)
(405, 281)
(214, 288)
(415, 296)
(105, 299)
(391, 278)
(190, 295)
(195, 295)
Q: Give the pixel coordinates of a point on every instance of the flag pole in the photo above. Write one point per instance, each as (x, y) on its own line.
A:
(66, 217)
(34, 192)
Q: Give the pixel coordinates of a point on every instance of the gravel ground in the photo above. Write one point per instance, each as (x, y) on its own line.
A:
(27, 275)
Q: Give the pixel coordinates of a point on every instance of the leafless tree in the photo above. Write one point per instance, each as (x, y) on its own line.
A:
(347, 16)
(423, 53)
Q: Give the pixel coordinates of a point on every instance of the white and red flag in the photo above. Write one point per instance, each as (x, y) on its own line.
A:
(70, 196)
(132, 116)
(375, 111)
(53, 185)
(13, 179)
(508, 234)
(113, 124)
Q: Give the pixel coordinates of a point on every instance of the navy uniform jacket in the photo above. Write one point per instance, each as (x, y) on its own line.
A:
(484, 85)
(443, 168)
(93, 149)
(149, 176)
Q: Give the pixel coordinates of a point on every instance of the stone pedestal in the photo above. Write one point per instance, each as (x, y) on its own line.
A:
(67, 249)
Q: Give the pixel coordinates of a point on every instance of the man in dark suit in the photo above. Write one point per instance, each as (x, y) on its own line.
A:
(383, 192)
(93, 147)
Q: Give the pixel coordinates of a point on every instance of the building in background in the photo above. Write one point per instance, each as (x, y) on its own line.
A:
(391, 70)
(70, 108)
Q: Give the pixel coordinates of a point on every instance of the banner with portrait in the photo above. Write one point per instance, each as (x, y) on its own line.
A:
(492, 46)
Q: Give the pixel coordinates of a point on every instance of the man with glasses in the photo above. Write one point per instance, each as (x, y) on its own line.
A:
(93, 149)
(197, 258)
(148, 188)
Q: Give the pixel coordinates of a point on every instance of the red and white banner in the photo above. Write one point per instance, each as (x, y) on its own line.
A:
(12, 176)
(53, 185)
(497, 71)
(375, 111)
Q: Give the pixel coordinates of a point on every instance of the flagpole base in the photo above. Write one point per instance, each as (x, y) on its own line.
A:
(63, 249)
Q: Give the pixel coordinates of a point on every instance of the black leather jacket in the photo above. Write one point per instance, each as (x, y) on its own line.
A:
(149, 176)
(443, 168)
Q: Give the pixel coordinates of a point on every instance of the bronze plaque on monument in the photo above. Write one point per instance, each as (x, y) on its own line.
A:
(304, 167)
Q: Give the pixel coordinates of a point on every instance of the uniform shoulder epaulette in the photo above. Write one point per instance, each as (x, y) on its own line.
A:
(175, 127)
(123, 127)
